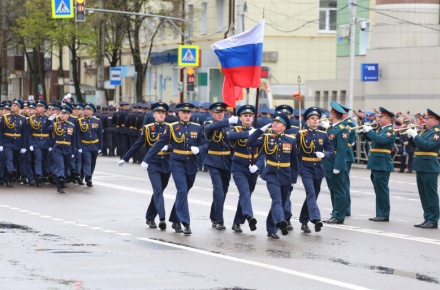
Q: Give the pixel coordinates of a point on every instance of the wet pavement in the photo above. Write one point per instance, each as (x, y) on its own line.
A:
(96, 238)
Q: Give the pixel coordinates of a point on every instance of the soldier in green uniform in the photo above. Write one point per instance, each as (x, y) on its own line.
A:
(336, 167)
(349, 158)
(427, 168)
(380, 162)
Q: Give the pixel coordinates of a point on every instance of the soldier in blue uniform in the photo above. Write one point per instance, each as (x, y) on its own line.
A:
(218, 160)
(158, 167)
(281, 171)
(427, 168)
(90, 141)
(336, 166)
(13, 140)
(246, 162)
(264, 118)
(380, 162)
(39, 141)
(186, 140)
(2, 161)
(64, 145)
(313, 146)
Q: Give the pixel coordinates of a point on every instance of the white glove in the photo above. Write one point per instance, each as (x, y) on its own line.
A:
(51, 118)
(251, 131)
(336, 171)
(253, 168)
(265, 127)
(121, 162)
(233, 120)
(80, 150)
(144, 165)
(50, 149)
(31, 148)
(73, 156)
(23, 150)
(325, 124)
(411, 133)
(165, 148)
(320, 154)
(366, 128)
(195, 150)
(99, 151)
(1, 148)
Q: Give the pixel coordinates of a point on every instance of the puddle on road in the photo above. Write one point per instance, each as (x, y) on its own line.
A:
(9, 226)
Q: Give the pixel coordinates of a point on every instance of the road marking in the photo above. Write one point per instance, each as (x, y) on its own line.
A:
(258, 264)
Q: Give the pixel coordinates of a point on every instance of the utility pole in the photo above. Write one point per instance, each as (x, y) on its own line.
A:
(100, 93)
(352, 53)
(183, 42)
(4, 52)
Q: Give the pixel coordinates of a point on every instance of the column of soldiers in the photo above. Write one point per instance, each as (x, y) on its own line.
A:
(278, 154)
(56, 143)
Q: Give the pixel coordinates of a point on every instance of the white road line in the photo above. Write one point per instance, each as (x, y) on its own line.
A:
(122, 234)
(259, 264)
(95, 228)
(108, 231)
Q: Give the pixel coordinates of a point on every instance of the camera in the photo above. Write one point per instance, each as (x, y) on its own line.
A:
(363, 25)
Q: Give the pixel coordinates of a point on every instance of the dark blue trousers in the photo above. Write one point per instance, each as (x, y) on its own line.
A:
(278, 194)
(310, 210)
(159, 182)
(245, 182)
(40, 159)
(89, 162)
(183, 182)
(220, 181)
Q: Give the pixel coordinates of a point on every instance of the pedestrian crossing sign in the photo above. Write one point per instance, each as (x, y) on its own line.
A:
(188, 55)
(63, 9)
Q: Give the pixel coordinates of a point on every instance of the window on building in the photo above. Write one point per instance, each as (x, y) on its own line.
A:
(327, 15)
(220, 5)
(204, 26)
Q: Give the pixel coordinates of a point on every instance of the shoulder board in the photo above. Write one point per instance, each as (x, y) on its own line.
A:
(390, 128)
(341, 126)
(174, 123)
(436, 129)
(209, 121)
(195, 123)
(79, 119)
(76, 117)
(294, 127)
(303, 131)
(167, 124)
(71, 123)
(322, 131)
(149, 125)
(349, 120)
(290, 136)
(94, 117)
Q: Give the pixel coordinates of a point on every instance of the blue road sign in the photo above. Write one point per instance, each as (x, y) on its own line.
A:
(116, 76)
(62, 9)
(188, 55)
(370, 72)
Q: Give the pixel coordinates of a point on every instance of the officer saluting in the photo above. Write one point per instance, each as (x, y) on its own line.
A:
(186, 140)
(313, 146)
(281, 171)
(381, 163)
(427, 168)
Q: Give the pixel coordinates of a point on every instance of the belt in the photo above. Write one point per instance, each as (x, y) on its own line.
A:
(311, 159)
(12, 134)
(222, 153)
(246, 156)
(423, 153)
(90, 142)
(41, 135)
(380, 150)
(278, 164)
(161, 153)
(63, 142)
(183, 152)
(117, 126)
(349, 145)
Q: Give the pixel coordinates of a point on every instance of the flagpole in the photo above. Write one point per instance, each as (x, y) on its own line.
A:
(255, 124)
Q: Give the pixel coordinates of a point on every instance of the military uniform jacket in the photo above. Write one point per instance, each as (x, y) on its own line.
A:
(38, 139)
(13, 131)
(149, 135)
(64, 136)
(242, 157)
(280, 151)
(427, 146)
(338, 136)
(351, 137)
(181, 136)
(380, 153)
(219, 149)
(311, 141)
(89, 133)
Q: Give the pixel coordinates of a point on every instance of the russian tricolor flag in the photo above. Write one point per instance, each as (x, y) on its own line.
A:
(240, 57)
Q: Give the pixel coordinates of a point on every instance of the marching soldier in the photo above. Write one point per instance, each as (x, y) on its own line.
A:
(90, 141)
(158, 168)
(218, 160)
(13, 140)
(246, 162)
(64, 145)
(186, 140)
(427, 168)
(336, 166)
(381, 163)
(2, 162)
(281, 171)
(313, 146)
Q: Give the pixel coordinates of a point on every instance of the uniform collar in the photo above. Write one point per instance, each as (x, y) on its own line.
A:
(185, 123)
(313, 130)
(158, 123)
(334, 125)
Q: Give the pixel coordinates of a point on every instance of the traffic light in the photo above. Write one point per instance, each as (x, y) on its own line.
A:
(80, 9)
(190, 79)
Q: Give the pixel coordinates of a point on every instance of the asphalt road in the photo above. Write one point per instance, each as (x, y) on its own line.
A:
(96, 238)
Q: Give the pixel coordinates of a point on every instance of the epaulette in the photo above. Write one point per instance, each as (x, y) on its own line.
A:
(209, 121)
(195, 123)
(390, 128)
(349, 121)
(75, 117)
(79, 119)
(96, 118)
(303, 131)
(290, 136)
(341, 126)
(322, 131)
(175, 123)
(70, 123)
(148, 125)
(294, 126)
(436, 129)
